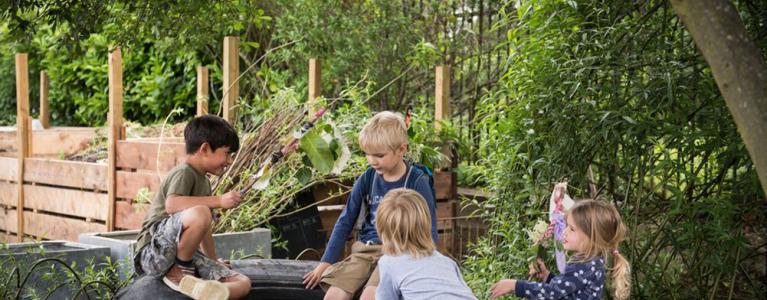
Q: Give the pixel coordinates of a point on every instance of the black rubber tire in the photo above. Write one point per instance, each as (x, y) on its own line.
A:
(271, 279)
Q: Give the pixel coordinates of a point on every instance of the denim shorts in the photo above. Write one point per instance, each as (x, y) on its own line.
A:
(156, 258)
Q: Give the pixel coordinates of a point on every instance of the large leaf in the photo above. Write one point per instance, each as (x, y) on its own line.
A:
(318, 151)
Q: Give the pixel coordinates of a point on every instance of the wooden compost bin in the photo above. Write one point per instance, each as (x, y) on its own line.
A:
(48, 142)
(46, 198)
(62, 199)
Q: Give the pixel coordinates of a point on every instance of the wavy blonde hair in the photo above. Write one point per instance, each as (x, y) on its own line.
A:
(603, 225)
(403, 222)
(385, 130)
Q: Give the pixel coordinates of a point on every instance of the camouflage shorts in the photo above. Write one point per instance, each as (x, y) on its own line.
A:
(156, 258)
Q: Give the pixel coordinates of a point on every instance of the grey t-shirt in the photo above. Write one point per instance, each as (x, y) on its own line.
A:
(183, 180)
(431, 277)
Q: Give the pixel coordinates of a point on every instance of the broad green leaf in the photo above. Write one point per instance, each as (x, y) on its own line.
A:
(318, 151)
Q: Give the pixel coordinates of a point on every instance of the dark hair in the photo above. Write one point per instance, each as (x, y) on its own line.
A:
(210, 129)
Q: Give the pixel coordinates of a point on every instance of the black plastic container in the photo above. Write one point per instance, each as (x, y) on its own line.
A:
(301, 230)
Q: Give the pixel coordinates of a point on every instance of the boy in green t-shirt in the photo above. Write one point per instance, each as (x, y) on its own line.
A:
(179, 221)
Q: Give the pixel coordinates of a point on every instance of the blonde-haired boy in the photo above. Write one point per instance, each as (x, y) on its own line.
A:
(384, 141)
(411, 268)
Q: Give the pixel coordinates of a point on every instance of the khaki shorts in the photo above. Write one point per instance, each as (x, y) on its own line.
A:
(358, 270)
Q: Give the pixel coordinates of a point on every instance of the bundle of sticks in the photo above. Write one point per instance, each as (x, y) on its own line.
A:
(259, 142)
(263, 149)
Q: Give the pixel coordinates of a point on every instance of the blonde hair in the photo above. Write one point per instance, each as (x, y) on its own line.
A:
(603, 225)
(385, 130)
(403, 222)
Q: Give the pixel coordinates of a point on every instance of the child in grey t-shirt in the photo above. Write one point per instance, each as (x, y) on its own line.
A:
(411, 268)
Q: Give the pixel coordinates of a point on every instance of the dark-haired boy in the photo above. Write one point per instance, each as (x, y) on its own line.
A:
(179, 221)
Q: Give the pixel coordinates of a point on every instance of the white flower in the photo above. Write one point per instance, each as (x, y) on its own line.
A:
(538, 231)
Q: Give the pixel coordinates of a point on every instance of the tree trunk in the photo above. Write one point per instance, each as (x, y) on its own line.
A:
(738, 67)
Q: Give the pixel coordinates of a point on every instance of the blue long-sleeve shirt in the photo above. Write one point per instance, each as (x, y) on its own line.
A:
(376, 190)
(581, 280)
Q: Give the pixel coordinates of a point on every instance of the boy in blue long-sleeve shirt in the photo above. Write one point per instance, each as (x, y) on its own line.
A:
(384, 140)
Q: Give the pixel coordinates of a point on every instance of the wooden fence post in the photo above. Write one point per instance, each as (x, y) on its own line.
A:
(231, 71)
(22, 134)
(315, 79)
(44, 113)
(115, 120)
(202, 91)
(442, 102)
(441, 95)
(445, 179)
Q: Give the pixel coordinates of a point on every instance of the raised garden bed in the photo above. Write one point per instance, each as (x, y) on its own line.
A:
(256, 242)
(75, 255)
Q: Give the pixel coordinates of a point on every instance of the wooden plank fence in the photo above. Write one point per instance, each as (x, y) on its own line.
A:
(62, 199)
(51, 142)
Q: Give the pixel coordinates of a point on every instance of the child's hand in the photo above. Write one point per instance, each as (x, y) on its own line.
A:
(502, 287)
(230, 199)
(312, 278)
(542, 272)
(225, 262)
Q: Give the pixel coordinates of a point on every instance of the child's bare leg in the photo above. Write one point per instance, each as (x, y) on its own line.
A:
(335, 293)
(369, 293)
(238, 285)
(197, 222)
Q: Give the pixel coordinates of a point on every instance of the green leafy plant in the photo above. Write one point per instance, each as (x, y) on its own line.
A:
(100, 280)
(620, 90)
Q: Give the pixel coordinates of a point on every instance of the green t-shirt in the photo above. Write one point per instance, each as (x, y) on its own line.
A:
(183, 180)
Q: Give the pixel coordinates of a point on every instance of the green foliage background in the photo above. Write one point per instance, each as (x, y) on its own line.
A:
(615, 85)
(620, 87)
(392, 44)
